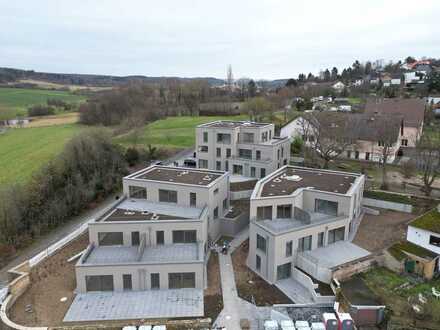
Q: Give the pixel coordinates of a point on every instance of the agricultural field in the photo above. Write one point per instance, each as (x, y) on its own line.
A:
(25, 150)
(172, 132)
(15, 101)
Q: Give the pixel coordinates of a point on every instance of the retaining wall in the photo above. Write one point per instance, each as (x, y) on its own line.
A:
(387, 205)
(346, 271)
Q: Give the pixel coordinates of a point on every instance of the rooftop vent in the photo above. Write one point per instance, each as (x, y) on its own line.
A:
(295, 178)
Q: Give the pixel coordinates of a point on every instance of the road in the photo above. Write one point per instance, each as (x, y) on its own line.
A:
(44, 242)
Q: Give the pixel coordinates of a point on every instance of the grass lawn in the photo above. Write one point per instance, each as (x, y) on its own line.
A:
(172, 132)
(18, 99)
(25, 150)
(354, 100)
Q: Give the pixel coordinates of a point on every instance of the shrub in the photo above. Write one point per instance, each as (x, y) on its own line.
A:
(408, 169)
(40, 110)
(132, 156)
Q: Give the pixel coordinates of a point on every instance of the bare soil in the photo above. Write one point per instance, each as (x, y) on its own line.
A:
(380, 232)
(249, 284)
(213, 294)
(51, 280)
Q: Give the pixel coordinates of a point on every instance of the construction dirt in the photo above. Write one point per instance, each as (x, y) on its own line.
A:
(213, 294)
(376, 233)
(51, 280)
(250, 286)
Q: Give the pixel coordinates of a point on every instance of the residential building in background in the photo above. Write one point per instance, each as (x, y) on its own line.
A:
(243, 148)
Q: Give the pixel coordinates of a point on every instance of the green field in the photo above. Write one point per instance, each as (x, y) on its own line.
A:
(15, 101)
(173, 132)
(25, 150)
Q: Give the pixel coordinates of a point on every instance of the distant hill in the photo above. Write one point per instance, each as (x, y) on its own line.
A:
(10, 75)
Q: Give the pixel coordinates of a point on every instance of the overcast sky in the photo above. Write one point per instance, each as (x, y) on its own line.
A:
(259, 38)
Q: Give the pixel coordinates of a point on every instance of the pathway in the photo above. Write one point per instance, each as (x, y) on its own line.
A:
(236, 308)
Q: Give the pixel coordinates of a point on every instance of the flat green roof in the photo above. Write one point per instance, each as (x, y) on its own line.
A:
(398, 251)
(428, 221)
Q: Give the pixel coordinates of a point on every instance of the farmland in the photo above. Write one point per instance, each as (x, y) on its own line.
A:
(172, 132)
(25, 150)
(14, 101)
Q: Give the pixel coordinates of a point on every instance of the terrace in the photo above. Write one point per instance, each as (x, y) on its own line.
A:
(282, 225)
(119, 255)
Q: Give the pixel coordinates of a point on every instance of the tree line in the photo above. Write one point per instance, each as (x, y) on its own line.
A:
(88, 168)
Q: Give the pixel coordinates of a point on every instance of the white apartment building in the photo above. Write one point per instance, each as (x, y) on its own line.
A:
(243, 148)
(298, 217)
(157, 236)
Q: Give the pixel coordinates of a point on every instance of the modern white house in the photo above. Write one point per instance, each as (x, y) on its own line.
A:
(243, 148)
(425, 231)
(301, 221)
(152, 246)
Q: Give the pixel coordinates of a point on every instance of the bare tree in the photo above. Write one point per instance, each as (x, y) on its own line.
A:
(428, 160)
(329, 134)
(257, 107)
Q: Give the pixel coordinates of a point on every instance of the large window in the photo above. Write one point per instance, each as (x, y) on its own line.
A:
(284, 271)
(223, 138)
(305, 243)
(245, 153)
(205, 137)
(155, 281)
(253, 172)
(127, 283)
(203, 148)
(262, 173)
(169, 196)
(326, 207)
(321, 239)
(258, 155)
(192, 199)
(216, 213)
(258, 262)
(289, 249)
(181, 280)
(135, 238)
(218, 165)
(434, 240)
(284, 211)
(219, 152)
(203, 163)
(228, 153)
(247, 138)
(261, 243)
(137, 192)
(336, 235)
(184, 236)
(238, 169)
(99, 283)
(264, 213)
(113, 238)
(160, 237)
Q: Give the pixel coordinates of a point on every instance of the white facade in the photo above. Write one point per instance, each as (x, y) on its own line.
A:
(243, 148)
(291, 223)
(424, 238)
(157, 237)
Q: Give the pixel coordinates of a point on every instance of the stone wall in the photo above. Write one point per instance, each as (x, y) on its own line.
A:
(346, 271)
